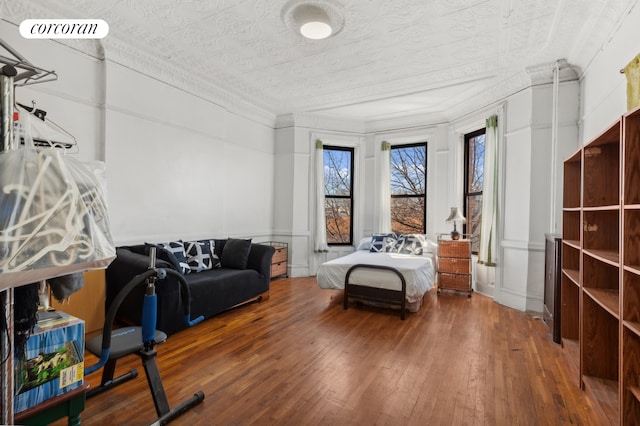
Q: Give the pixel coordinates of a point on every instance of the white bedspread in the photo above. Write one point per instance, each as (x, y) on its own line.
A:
(418, 272)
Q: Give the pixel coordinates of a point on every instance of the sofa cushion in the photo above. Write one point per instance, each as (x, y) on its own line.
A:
(200, 255)
(220, 289)
(235, 254)
(173, 252)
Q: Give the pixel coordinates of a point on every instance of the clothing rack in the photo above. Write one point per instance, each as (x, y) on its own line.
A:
(15, 71)
(7, 75)
(26, 72)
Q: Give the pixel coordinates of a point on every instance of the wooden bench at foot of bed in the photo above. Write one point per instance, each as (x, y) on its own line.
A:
(367, 293)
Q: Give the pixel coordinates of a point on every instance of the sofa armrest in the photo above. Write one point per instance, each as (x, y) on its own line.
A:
(260, 257)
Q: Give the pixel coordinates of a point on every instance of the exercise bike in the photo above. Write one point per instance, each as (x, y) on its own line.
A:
(115, 344)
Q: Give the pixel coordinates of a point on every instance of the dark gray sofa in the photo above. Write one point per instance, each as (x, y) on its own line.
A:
(212, 291)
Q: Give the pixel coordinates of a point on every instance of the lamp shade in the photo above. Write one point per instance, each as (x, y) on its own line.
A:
(456, 216)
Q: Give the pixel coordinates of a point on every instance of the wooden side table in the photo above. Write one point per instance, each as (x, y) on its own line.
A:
(454, 265)
(69, 404)
(279, 259)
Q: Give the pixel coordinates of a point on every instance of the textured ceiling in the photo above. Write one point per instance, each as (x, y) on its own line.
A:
(392, 57)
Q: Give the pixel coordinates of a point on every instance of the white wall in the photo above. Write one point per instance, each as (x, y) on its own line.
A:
(178, 165)
(530, 175)
(603, 95)
(192, 168)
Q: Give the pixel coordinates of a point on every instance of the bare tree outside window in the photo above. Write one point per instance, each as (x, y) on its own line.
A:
(408, 188)
(338, 187)
(474, 182)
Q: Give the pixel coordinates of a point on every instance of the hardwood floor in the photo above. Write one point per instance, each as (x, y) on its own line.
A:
(300, 359)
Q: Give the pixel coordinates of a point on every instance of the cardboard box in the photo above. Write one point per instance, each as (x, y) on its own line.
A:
(53, 363)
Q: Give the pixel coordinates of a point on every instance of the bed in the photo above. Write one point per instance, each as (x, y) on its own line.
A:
(380, 277)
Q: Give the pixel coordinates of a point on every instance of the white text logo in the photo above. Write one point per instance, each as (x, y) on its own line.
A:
(64, 28)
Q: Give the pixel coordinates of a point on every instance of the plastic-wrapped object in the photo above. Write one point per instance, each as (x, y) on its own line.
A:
(53, 216)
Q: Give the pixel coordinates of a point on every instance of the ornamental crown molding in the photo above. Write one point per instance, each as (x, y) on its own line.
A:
(543, 73)
(166, 71)
(315, 121)
(127, 54)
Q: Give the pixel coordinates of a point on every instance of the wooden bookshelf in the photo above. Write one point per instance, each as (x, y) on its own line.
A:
(593, 222)
(571, 197)
(631, 374)
(601, 167)
(601, 269)
(571, 258)
(630, 273)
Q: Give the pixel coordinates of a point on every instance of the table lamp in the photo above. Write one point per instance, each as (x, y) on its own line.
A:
(455, 216)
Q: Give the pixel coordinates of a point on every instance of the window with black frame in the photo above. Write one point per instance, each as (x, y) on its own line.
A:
(473, 184)
(409, 188)
(338, 187)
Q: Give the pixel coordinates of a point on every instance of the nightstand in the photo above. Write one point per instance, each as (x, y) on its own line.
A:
(279, 259)
(454, 265)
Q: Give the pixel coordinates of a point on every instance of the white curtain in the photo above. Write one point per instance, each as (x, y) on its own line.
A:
(321, 221)
(384, 185)
(487, 250)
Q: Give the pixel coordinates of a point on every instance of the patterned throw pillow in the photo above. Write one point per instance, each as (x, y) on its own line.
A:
(200, 255)
(176, 255)
(215, 259)
(410, 244)
(381, 243)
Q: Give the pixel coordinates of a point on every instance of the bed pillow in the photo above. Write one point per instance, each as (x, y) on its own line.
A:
(430, 247)
(382, 243)
(173, 252)
(235, 254)
(410, 244)
(364, 244)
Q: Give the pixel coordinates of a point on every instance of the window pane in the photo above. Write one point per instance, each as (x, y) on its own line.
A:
(474, 218)
(407, 215)
(338, 184)
(337, 172)
(408, 188)
(338, 212)
(476, 164)
(408, 166)
(474, 182)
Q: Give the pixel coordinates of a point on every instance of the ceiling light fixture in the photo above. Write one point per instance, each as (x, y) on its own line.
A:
(315, 20)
